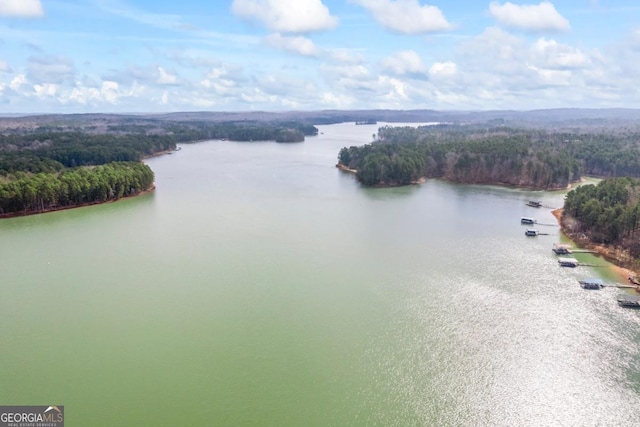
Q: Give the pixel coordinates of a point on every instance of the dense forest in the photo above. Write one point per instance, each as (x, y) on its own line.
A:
(242, 131)
(607, 213)
(41, 192)
(49, 152)
(531, 158)
(54, 170)
(51, 167)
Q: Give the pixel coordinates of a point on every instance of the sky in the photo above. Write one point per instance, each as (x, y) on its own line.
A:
(127, 56)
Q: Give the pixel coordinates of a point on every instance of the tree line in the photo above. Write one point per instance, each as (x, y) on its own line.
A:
(29, 193)
(241, 131)
(531, 158)
(608, 212)
(54, 151)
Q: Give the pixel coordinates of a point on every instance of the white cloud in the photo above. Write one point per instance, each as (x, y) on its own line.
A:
(285, 86)
(405, 62)
(286, 16)
(356, 72)
(298, 44)
(355, 79)
(529, 17)
(396, 90)
(165, 78)
(357, 86)
(496, 69)
(84, 95)
(21, 8)
(346, 56)
(451, 98)
(165, 98)
(551, 54)
(493, 51)
(443, 69)
(222, 81)
(547, 77)
(334, 100)
(45, 90)
(4, 67)
(406, 16)
(107, 91)
(257, 96)
(17, 82)
(110, 91)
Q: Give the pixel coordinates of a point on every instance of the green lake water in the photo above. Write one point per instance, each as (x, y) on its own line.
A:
(260, 286)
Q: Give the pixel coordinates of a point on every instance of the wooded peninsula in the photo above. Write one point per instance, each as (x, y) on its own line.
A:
(606, 215)
(57, 162)
(521, 157)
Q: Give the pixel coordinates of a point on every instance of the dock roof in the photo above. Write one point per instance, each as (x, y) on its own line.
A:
(561, 245)
(629, 298)
(592, 280)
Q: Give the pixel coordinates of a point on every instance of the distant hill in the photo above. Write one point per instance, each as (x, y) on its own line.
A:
(573, 118)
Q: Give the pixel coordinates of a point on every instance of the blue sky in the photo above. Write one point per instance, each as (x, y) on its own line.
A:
(277, 55)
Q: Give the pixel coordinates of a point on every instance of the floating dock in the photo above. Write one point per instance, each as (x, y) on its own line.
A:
(591, 283)
(561, 249)
(568, 262)
(631, 301)
(564, 249)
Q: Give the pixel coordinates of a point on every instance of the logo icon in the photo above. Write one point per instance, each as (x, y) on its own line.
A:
(33, 416)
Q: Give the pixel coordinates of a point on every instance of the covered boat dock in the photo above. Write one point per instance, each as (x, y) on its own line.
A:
(628, 300)
(568, 262)
(527, 220)
(591, 283)
(561, 249)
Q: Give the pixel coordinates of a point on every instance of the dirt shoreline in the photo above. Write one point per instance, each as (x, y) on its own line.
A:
(346, 168)
(159, 153)
(617, 260)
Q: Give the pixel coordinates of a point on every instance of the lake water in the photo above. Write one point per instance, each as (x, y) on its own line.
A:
(260, 286)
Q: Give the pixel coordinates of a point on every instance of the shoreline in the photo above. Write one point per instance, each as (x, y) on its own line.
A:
(159, 153)
(347, 169)
(83, 205)
(423, 179)
(607, 254)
